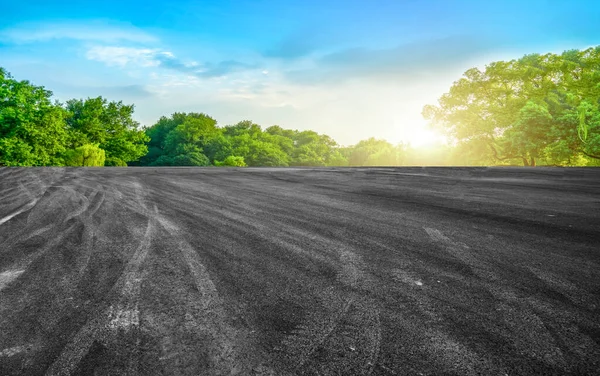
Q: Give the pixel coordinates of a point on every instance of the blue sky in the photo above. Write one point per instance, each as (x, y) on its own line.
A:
(351, 69)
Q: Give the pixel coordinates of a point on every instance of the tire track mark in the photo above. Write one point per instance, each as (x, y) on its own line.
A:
(430, 338)
(93, 204)
(20, 266)
(349, 343)
(566, 331)
(528, 332)
(305, 340)
(423, 319)
(110, 322)
(351, 325)
(8, 276)
(462, 252)
(224, 339)
(24, 208)
(575, 294)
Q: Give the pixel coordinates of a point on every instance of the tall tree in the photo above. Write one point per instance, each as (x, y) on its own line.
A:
(109, 125)
(537, 108)
(32, 128)
(180, 140)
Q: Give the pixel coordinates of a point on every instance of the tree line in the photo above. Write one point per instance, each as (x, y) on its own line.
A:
(194, 139)
(536, 110)
(35, 131)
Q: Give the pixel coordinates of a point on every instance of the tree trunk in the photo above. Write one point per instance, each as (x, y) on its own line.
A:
(532, 164)
(525, 161)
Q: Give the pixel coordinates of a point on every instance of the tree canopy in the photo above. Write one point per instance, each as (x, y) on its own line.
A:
(539, 108)
(34, 131)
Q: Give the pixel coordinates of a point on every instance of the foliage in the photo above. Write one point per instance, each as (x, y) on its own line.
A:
(36, 132)
(108, 124)
(115, 162)
(539, 108)
(32, 131)
(373, 152)
(232, 161)
(87, 155)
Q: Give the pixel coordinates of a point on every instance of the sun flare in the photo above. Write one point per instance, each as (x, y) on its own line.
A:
(420, 137)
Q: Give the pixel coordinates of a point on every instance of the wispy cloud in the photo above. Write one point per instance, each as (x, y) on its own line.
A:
(93, 30)
(153, 57)
(408, 60)
(122, 56)
(206, 70)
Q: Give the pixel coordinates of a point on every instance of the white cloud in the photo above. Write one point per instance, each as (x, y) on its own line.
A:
(94, 30)
(122, 56)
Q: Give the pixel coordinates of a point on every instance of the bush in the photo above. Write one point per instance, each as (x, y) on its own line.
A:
(232, 161)
(189, 159)
(114, 162)
(86, 155)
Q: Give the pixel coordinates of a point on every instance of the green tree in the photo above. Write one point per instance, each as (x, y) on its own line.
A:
(536, 108)
(258, 148)
(32, 128)
(196, 129)
(313, 149)
(108, 124)
(373, 152)
(86, 155)
(180, 140)
(114, 162)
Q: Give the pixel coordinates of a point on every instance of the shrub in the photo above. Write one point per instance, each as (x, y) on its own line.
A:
(86, 155)
(232, 161)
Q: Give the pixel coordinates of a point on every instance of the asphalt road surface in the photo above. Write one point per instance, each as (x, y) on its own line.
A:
(367, 271)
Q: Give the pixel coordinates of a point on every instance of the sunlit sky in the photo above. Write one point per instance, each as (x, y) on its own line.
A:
(351, 69)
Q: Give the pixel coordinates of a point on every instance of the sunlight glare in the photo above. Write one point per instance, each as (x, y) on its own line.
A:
(420, 137)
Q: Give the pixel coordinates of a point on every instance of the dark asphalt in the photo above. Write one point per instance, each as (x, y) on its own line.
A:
(353, 271)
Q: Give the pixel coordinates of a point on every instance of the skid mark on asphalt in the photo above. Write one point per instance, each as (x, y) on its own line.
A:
(310, 336)
(313, 337)
(24, 208)
(569, 333)
(83, 203)
(9, 276)
(462, 252)
(575, 294)
(26, 190)
(209, 321)
(442, 348)
(523, 326)
(529, 333)
(346, 338)
(350, 264)
(545, 331)
(345, 341)
(11, 351)
(25, 262)
(122, 316)
(426, 323)
(125, 314)
(94, 203)
(455, 355)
